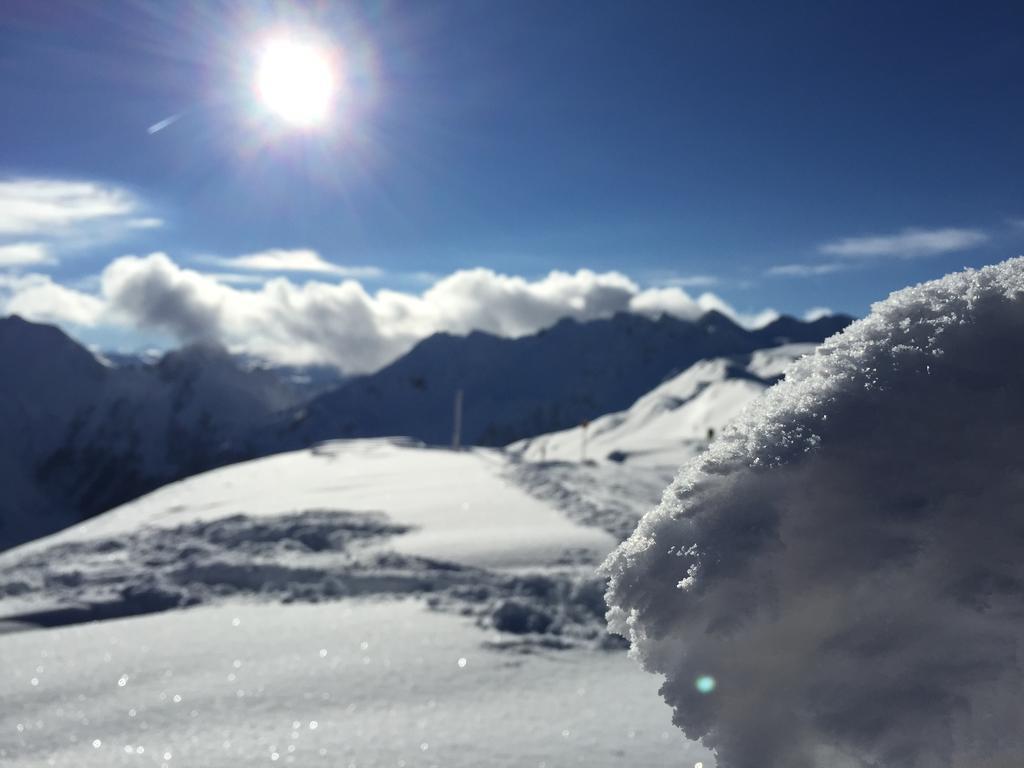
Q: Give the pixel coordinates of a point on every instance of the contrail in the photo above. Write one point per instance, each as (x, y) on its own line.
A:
(155, 127)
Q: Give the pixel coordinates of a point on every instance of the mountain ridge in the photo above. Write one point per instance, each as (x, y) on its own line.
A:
(543, 382)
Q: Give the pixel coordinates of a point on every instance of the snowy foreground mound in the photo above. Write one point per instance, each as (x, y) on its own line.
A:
(366, 603)
(839, 581)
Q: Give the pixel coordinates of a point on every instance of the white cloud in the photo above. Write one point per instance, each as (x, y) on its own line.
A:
(710, 301)
(37, 297)
(40, 218)
(291, 260)
(24, 254)
(41, 206)
(238, 278)
(816, 313)
(147, 222)
(340, 322)
(675, 301)
(480, 299)
(908, 244)
(672, 301)
(693, 281)
(807, 270)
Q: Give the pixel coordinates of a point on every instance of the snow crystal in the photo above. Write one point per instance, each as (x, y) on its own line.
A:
(846, 562)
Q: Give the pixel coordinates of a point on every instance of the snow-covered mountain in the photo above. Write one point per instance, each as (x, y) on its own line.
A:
(288, 386)
(675, 420)
(517, 388)
(79, 436)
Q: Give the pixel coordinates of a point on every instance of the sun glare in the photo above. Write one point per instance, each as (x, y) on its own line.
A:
(296, 81)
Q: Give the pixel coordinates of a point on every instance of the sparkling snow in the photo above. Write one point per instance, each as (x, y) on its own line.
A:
(847, 560)
(398, 685)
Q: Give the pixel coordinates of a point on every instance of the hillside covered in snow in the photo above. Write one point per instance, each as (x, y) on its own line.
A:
(80, 436)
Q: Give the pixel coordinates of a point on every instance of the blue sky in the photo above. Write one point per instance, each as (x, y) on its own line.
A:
(782, 155)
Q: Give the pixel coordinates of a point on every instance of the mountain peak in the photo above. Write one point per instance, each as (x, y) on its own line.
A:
(44, 346)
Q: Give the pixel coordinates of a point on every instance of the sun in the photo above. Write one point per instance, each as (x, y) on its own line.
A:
(296, 81)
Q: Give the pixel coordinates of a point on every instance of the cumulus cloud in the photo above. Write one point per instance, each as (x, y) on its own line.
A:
(24, 254)
(37, 297)
(341, 322)
(816, 313)
(291, 260)
(155, 293)
(908, 244)
(674, 301)
(839, 580)
(711, 301)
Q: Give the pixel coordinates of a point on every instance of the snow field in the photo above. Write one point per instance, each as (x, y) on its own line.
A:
(356, 683)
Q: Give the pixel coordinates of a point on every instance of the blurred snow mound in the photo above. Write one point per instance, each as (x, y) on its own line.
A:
(843, 570)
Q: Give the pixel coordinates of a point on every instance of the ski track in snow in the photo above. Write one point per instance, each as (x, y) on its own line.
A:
(609, 496)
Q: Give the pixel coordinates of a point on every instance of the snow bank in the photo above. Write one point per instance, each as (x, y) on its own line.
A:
(840, 580)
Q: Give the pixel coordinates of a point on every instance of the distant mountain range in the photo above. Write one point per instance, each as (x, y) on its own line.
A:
(292, 385)
(517, 388)
(80, 434)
